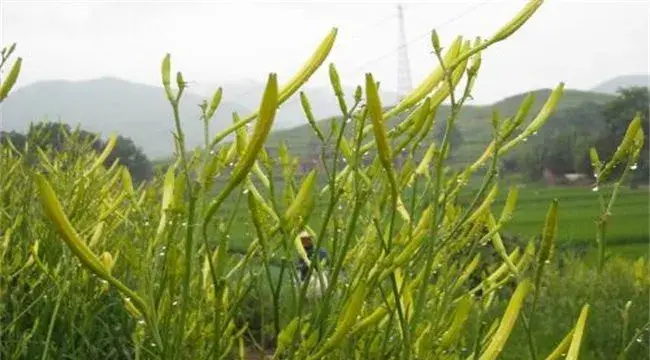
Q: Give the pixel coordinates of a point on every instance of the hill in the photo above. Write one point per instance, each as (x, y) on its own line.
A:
(612, 85)
(473, 122)
(107, 105)
(142, 112)
(322, 100)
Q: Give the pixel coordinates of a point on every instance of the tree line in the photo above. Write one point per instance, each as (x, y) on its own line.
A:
(562, 146)
(53, 135)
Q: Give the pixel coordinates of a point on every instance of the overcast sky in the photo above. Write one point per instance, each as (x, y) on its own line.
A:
(579, 42)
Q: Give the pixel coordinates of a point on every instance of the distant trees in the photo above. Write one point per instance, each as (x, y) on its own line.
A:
(455, 135)
(51, 135)
(618, 114)
(563, 143)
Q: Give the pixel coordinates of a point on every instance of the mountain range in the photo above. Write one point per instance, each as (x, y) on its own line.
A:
(612, 85)
(142, 112)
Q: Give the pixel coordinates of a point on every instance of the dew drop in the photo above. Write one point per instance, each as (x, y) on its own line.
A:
(547, 261)
(245, 191)
(162, 253)
(633, 167)
(535, 133)
(141, 322)
(175, 303)
(211, 152)
(525, 139)
(153, 344)
(639, 339)
(232, 163)
(595, 189)
(184, 224)
(146, 223)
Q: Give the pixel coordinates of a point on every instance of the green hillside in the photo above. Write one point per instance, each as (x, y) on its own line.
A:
(474, 122)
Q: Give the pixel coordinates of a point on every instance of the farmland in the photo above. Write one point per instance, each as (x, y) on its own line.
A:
(628, 229)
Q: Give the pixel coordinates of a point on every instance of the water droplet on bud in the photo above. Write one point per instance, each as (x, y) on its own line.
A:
(595, 188)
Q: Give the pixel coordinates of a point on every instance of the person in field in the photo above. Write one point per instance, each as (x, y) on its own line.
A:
(317, 284)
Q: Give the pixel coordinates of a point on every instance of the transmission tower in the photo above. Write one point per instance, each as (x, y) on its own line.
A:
(404, 82)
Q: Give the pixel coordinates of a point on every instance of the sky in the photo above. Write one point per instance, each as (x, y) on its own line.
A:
(581, 43)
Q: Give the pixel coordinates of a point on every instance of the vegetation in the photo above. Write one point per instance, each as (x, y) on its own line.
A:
(95, 266)
(562, 146)
(473, 124)
(46, 135)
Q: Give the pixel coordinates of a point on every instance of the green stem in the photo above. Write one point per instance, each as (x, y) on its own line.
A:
(438, 181)
(529, 336)
(604, 218)
(636, 336)
(50, 328)
(189, 243)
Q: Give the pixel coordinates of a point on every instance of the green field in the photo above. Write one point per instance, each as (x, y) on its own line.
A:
(628, 227)
(578, 210)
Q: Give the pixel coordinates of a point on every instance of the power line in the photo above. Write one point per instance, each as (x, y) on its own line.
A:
(420, 36)
(393, 51)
